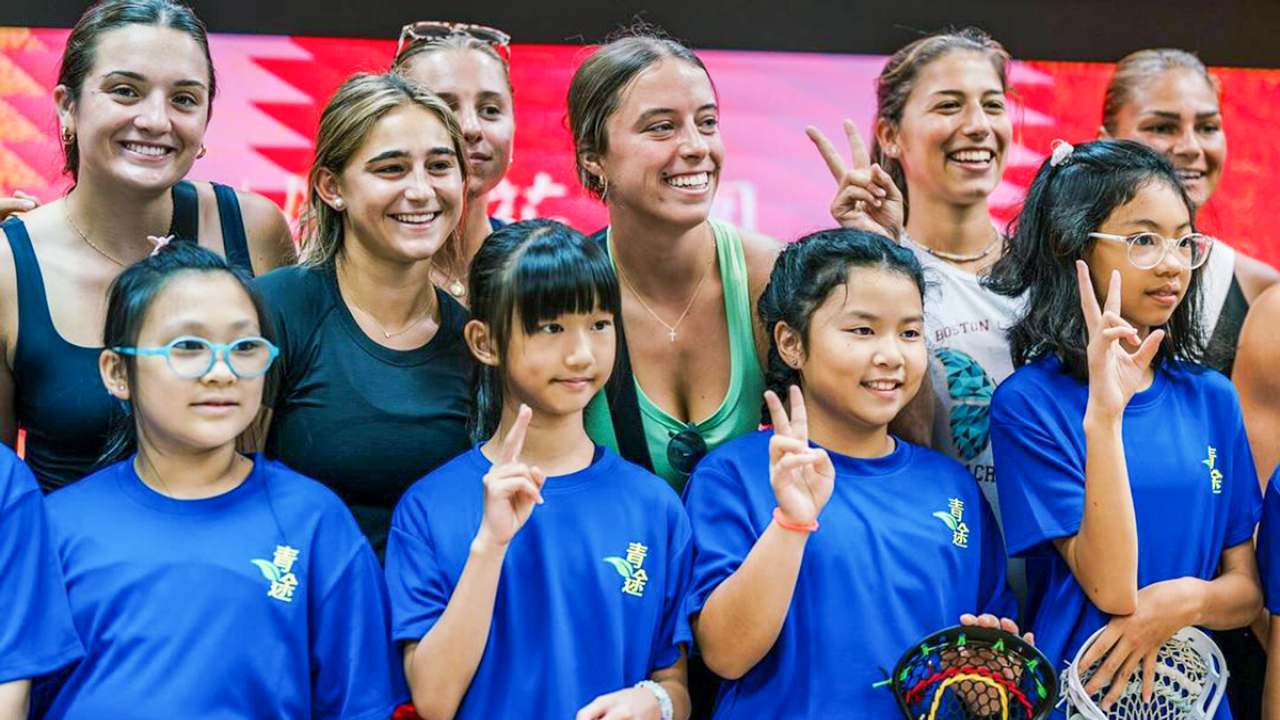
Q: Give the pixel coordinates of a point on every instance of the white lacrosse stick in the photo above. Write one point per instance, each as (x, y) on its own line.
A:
(1190, 681)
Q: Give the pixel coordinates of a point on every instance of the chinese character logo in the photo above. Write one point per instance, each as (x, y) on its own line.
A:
(631, 569)
(1215, 475)
(279, 572)
(954, 520)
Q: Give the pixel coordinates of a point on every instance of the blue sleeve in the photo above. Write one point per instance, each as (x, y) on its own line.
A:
(416, 582)
(723, 533)
(357, 673)
(666, 650)
(1041, 485)
(995, 596)
(1269, 546)
(1246, 496)
(37, 635)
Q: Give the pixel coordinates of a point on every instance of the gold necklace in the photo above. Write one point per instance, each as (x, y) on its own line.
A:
(671, 329)
(66, 211)
(388, 335)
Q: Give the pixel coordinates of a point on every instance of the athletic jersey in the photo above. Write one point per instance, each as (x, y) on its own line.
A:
(739, 412)
(36, 633)
(906, 545)
(262, 602)
(1195, 490)
(58, 394)
(1269, 546)
(590, 590)
(362, 418)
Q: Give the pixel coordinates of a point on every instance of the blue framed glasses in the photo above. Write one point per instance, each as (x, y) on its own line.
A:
(191, 357)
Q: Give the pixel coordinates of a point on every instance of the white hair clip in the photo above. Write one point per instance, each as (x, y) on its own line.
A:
(159, 242)
(1061, 151)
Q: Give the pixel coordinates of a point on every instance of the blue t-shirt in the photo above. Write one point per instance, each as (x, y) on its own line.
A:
(590, 591)
(1195, 490)
(263, 602)
(906, 545)
(36, 633)
(1269, 546)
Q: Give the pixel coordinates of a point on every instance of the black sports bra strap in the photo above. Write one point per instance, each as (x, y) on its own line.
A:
(620, 392)
(235, 244)
(186, 212)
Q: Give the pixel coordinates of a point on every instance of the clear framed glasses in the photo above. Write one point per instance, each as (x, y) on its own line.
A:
(435, 31)
(191, 357)
(1148, 249)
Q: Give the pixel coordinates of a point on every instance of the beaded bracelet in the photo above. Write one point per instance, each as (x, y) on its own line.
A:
(664, 698)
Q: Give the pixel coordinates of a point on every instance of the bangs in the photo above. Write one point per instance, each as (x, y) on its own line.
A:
(554, 278)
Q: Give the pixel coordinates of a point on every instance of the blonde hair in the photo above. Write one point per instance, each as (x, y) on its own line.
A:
(1138, 68)
(350, 116)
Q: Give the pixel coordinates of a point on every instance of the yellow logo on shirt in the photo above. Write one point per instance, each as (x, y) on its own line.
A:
(954, 520)
(279, 572)
(631, 568)
(1215, 475)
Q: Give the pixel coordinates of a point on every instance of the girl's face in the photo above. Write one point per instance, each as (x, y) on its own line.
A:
(665, 150)
(866, 353)
(475, 86)
(205, 413)
(402, 190)
(1147, 297)
(557, 369)
(1177, 113)
(143, 107)
(955, 131)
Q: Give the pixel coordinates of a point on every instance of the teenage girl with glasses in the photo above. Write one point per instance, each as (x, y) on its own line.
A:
(199, 578)
(1126, 478)
(539, 574)
(468, 66)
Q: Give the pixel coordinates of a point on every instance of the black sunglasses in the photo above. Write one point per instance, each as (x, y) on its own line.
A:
(685, 449)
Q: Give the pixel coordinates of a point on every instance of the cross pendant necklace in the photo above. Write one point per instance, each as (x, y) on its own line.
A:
(671, 329)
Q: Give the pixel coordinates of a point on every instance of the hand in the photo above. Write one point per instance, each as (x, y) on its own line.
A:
(630, 704)
(971, 692)
(802, 477)
(1115, 374)
(987, 620)
(18, 204)
(1163, 609)
(866, 198)
(511, 488)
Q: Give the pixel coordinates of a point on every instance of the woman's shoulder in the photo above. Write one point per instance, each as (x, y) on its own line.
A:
(266, 230)
(760, 251)
(293, 290)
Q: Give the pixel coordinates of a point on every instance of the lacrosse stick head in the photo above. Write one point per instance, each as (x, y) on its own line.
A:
(1190, 681)
(969, 672)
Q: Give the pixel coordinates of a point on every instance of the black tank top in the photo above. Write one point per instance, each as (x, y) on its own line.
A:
(58, 394)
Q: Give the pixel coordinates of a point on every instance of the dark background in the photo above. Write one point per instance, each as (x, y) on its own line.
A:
(1223, 32)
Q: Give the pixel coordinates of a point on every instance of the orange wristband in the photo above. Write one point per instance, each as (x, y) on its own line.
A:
(807, 527)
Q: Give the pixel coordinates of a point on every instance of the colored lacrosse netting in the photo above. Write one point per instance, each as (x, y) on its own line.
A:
(956, 674)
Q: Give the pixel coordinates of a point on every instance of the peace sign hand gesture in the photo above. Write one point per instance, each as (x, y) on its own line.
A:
(511, 488)
(1115, 374)
(802, 477)
(867, 198)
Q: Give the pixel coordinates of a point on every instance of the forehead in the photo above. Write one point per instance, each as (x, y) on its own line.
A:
(966, 71)
(668, 83)
(885, 293)
(211, 299)
(1155, 201)
(1177, 90)
(459, 71)
(160, 54)
(409, 128)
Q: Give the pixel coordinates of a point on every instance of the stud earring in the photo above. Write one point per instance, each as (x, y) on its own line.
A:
(68, 136)
(203, 151)
(338, 204)
(892, 150)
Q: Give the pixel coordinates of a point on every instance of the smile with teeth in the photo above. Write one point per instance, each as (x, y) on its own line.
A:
(1186, 174)
(415, 218)
(153, 150)
(693, 180)
(972, 156)
(883, 385)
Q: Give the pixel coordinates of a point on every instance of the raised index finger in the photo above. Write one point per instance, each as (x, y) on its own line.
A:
(857, 148)
(513, 443)
(1088, 300)
(835, 163)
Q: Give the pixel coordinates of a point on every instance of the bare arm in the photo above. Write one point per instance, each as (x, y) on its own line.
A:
(1232, 599)
(761, 252)
(14, 698)
(1257, 382)
(270, 241)
(641, 703)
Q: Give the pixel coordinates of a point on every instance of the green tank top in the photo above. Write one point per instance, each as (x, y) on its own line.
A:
(739, 412)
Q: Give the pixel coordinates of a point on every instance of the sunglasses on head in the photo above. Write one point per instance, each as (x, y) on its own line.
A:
(429, 31)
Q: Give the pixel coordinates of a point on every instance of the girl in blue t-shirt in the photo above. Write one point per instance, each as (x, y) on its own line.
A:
(803, 621)
(539, 574)
(202, 582)
(1125, 473)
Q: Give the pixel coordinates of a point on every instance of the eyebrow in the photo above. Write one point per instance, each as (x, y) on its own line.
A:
(142, 78)
(194, 327)
(1152, 225)
(1177, 116)
(961, 93)
(647, 114)
(864, 315)
(398, 154)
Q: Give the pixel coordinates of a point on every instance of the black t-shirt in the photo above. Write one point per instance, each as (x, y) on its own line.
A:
(364, 419)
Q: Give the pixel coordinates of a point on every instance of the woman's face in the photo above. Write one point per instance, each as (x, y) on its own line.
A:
(402, 190)
(866, 353)
(475, 86)
(665, 151)
(1147, 297)
(142, 110)
(1176, 112)
(954, 136)
(208, 412)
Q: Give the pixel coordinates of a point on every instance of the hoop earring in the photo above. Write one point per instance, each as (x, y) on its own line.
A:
(604, 191)
(202, 152)
(68, 136)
